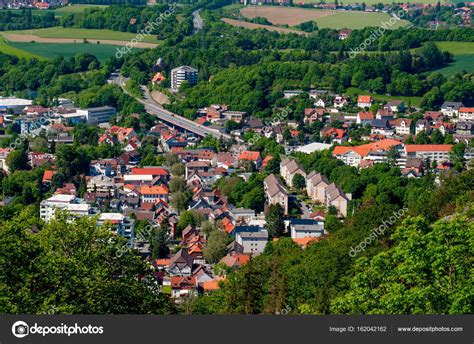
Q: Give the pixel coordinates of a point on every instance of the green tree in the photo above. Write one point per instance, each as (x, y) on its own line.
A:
(216, 246)
(299, 181)
(428, 271)
(78, 268)
(179, 200)
(274, 219)
(17, 160)
(177, 184)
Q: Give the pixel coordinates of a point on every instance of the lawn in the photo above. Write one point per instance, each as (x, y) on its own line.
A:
(413, 101)
(52, 50)
(76, 33)
(10, 50)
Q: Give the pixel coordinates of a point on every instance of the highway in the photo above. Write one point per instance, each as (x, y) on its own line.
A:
(172, 118)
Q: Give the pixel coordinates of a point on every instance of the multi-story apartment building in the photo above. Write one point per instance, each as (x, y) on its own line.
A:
(275, 192)
(70, 203)
(97, 115)
(437, 153)
(122, 225)
(182, 74)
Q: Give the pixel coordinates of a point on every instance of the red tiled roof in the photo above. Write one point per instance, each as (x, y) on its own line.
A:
(155, 171)
(48, 175)
(154, 190)
(366, 115)
(249, 155)
(364, 150)
(466, 109)
(364, 99)
(339, 133)
(266, 160)
(428, 148)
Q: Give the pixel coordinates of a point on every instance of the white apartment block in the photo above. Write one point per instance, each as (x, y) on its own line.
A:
(122, 224)
(97, 115)
(69, 203)
(182, 74)
(253, 242)
(437, 153)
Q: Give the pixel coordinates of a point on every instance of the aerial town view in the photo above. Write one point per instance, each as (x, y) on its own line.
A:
(295, 158)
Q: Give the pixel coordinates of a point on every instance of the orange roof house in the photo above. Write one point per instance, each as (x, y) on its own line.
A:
(154, 171)
(48, 176)
(157, 78)
(364, 101)
(428, 148)
(266, 160)
(249, 155)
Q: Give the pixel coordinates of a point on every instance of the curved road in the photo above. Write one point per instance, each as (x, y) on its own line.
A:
(173, 118)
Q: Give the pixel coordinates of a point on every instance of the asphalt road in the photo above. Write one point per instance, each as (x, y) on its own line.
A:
(173, 118)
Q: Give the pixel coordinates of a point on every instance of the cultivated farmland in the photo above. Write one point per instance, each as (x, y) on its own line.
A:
(324, 18)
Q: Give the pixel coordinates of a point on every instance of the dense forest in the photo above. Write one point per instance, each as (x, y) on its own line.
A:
(158, 20)
(24, 20)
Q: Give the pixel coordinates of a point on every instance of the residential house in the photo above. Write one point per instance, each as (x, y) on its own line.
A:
(320, 103)
(451, 109)
(304, 228)
(375, 152)
(402, 126)
(340, 101)
(181, 263)
(253, 242)
(422, 125)
(275, 192)
(395, 106)
(154, 193)
(289, 168)
(381, 126)
(364, 118)
(466, 114)
(313, 115)
(337, 198)
(252, 156)
(335, 135)
(315, 186)
(344, 34)
(385, 114)
(364, 101)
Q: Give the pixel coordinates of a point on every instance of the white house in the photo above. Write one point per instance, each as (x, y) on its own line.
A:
(252, 242)
(306, 228)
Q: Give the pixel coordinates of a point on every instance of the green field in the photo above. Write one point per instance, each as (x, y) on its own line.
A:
(357, 20)
(77, 8)
(413, 101)
(10, 50)
(463, 57)
(52, 50)
(76, 33)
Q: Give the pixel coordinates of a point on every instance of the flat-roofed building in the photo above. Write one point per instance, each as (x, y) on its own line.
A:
(68, 203)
